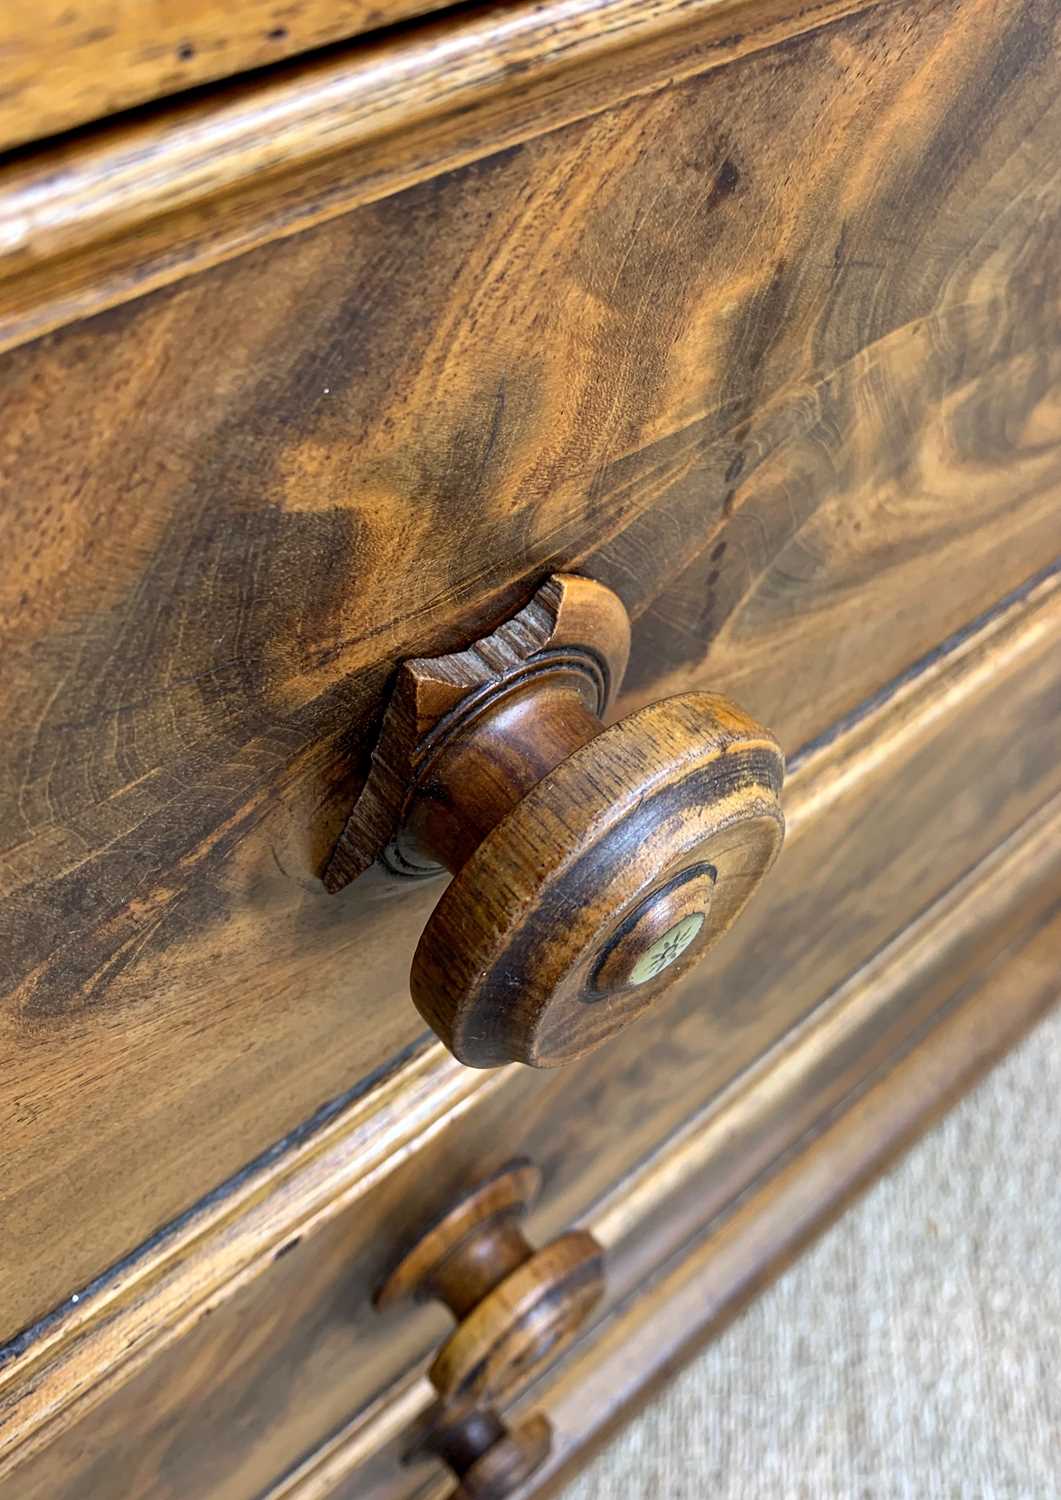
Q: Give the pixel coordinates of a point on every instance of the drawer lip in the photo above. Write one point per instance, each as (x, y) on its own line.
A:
(117, 59)
(87, 225)
(81, 1354)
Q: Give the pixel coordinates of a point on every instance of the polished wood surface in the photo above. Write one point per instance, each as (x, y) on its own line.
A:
(89, 223)
(744, 312)
(62, 65)
(772, 385)
(221, 1351)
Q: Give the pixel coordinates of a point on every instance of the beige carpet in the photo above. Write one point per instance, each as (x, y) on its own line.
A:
(914, 1352)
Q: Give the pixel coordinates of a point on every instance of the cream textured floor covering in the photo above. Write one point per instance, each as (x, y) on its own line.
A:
(913, 1353)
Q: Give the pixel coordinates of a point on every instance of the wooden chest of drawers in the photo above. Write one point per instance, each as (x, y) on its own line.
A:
(745, 312)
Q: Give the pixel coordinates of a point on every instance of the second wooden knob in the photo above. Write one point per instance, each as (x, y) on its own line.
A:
(515, 1306)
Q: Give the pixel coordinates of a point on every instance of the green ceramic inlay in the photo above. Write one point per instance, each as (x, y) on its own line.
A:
(667, 948)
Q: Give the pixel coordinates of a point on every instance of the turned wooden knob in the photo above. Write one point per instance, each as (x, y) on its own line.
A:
(489, 1458)
(515, 1306)
(592, 865)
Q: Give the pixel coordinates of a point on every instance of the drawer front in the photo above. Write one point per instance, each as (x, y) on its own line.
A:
(293, 1350)
(770, 352)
